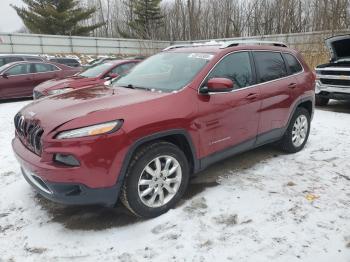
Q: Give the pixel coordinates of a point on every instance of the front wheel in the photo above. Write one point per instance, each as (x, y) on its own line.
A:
(156, 179)
(297, 132)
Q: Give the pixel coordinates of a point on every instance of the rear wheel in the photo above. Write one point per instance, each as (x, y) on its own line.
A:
(156, 179)
(321, 101)
(297, 132)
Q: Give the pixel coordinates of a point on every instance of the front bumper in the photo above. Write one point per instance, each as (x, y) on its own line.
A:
(94, 181)
(72, 194)
(332, 92)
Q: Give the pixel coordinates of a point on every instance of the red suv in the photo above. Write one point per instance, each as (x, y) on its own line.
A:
(173, 115)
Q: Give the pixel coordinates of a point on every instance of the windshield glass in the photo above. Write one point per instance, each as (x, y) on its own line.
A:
(165, 71)
(4, 67)
(96, 70)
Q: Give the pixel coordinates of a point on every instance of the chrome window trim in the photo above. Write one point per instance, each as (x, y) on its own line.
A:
(255, 85)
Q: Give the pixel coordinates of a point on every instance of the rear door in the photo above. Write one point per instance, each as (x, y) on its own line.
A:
(17, 83)
(231, 118)
(276, 93)
(44, 72)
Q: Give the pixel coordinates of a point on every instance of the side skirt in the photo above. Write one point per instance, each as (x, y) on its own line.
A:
(260, 140)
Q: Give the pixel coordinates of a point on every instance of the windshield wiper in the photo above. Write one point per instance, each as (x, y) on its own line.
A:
(135, 87)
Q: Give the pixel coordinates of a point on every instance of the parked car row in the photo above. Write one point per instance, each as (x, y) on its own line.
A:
(142, 138)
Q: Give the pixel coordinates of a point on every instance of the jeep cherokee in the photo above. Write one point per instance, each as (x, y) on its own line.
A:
(173, 115)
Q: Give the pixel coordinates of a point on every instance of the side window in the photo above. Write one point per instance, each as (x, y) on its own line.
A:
(13, 59)
(42, 68)
(270, 65)
(236, 67)
(2, 61)
(293, 64)
(21, 69)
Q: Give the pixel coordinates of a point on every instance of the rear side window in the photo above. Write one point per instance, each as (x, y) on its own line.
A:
(236, 67)
(13, 59)
(293, 64)
(270, 65)
(42, 68)
(2, 61)
(21, 69)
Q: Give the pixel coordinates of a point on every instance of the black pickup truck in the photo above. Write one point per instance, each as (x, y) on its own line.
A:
(333, 78)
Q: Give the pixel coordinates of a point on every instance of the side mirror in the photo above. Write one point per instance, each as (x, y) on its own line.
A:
(4, 75)
(217, 85)
(111, 76)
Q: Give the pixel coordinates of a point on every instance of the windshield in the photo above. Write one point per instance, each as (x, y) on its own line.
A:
(4, 67)
(165, 71)
(96, 70)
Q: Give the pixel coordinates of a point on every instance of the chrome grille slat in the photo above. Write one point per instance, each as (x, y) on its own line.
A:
(29, 132)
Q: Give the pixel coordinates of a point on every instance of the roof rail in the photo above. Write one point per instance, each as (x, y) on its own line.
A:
(177, 46)
(227, 44)
(251, 42)
(211, 43)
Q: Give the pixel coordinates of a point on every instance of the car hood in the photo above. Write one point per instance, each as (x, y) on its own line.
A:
(72, 82)
(339, 47)
(99, 103)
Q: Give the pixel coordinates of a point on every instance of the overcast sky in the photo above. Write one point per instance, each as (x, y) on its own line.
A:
(9, 20)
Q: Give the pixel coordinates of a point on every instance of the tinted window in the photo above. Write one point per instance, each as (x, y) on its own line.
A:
(21, 69)
(236, 67)
(41, 68)
(2, 61)
(13, 59)
(293, 64)
(34, 59)
(270, 65)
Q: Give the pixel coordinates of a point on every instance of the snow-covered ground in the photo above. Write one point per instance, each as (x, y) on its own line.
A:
(259, 206)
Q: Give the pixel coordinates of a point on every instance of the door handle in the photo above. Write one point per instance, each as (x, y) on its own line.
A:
(292, 85)
(252, 96)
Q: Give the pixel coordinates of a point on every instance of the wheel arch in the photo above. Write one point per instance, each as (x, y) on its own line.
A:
(178, 137)
(307, 102)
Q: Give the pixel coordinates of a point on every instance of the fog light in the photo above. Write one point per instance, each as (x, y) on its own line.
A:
(67, 160)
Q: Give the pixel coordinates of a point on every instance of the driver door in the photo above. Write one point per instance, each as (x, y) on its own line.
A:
(232, 118)
(17, 83)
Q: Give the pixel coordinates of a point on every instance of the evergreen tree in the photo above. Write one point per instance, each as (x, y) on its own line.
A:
(147, 18)
(56, 17)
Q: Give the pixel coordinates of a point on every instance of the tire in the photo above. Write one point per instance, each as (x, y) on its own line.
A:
(143, 177)
(289, 143)
(321, 101)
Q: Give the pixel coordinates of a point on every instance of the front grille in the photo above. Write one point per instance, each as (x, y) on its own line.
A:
(335, 82)
(333, 73)
(29, 133)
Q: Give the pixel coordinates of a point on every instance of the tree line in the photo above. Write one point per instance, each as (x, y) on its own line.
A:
(185, 19)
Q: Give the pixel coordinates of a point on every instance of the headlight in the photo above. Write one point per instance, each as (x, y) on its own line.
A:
(94, 130)
(59, 91)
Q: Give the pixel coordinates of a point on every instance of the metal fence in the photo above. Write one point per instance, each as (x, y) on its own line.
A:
(52, 44)
(311, 44)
